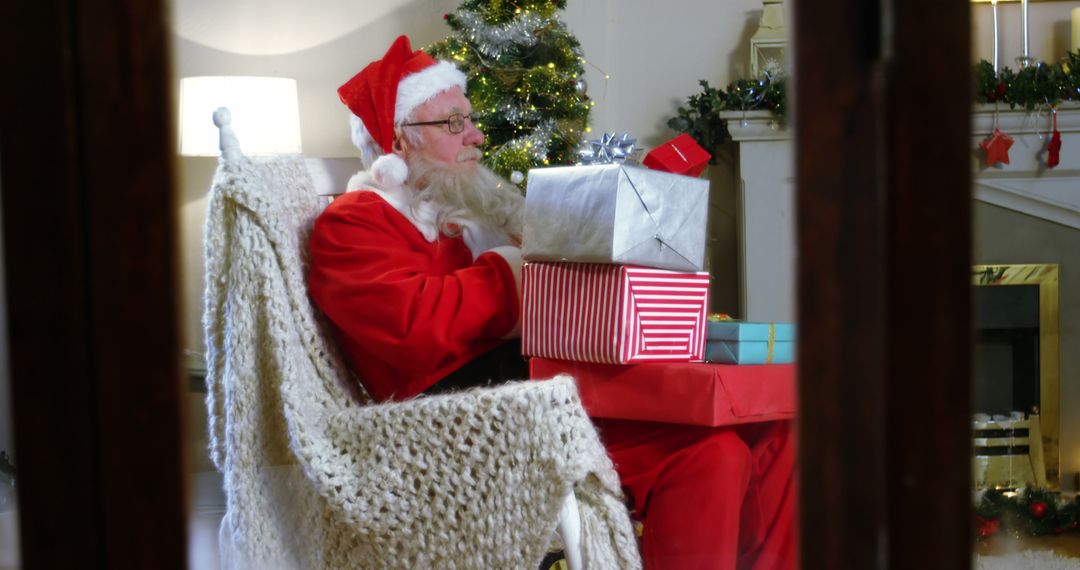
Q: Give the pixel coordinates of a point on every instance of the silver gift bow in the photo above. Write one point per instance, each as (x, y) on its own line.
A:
(611, 148)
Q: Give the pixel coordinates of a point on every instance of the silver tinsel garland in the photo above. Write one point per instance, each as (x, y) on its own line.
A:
(493, 41)
(535, 143)
(516, 114)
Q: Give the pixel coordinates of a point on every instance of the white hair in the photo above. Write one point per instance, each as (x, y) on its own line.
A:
(369, 149)
(413, 135)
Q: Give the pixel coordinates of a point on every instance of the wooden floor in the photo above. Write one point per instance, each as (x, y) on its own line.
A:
(1062, 544)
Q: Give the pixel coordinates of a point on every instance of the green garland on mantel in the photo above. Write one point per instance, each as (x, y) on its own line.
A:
(1035, 86)
(700, 117)
(1039, 85)
(1034, 512)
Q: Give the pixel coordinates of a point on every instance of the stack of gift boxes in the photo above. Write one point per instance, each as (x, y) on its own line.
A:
(614, 294)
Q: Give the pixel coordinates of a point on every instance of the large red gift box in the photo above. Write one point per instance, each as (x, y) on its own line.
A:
(680, 393)
(616, 314)
(680, 155)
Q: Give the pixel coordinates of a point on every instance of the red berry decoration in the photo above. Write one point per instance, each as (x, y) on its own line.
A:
(1038, 509)
(988, 527)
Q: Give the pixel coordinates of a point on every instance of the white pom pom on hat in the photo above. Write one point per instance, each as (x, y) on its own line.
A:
(389, 171)
(384, 93)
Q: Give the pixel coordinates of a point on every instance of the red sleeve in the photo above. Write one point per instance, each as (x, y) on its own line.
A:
(416, 306)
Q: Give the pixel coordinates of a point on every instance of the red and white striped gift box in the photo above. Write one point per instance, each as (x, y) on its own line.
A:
(613, 314)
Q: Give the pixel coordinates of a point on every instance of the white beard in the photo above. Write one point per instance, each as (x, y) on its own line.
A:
(474, 203)
(475, 200)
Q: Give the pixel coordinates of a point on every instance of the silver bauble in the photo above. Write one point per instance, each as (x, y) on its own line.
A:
(581, 86)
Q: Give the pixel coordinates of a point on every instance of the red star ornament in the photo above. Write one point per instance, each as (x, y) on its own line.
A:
(996, 147)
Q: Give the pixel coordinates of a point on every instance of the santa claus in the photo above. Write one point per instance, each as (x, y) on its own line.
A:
(417, 266)
(418, 270)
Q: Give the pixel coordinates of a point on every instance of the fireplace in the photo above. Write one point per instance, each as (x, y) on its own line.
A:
(1016, 353)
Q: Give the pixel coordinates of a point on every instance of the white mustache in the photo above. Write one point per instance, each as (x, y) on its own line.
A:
(467, 154)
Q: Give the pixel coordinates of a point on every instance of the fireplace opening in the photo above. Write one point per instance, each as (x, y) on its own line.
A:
(1007, 349)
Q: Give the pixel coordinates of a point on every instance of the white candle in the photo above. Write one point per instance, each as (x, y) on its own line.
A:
(996, 41)
(1025, 17)
(1075, 29)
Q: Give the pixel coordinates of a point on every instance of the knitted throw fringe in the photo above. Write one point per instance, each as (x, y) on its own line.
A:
(316, 476)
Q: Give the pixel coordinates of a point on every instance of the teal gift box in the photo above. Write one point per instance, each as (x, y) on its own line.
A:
(742, 342)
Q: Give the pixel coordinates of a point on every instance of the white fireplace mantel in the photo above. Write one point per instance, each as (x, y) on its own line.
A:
(1025, 184)
(766, 191)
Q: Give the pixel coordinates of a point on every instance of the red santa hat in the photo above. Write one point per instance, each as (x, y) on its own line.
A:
(383, 94)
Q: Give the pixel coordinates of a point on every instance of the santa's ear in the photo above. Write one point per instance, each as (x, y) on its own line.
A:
(399, 145)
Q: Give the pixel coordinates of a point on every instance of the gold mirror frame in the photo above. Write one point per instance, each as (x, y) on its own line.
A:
(1046, 277)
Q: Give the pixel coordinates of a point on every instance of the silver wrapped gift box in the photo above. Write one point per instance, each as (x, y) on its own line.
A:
(614, 213)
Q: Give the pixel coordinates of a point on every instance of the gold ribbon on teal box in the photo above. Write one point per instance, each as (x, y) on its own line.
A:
(772, 343)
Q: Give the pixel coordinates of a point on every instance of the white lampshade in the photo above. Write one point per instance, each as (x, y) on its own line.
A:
(265, 114)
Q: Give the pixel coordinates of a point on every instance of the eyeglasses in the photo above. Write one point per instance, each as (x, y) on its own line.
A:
(455, 123)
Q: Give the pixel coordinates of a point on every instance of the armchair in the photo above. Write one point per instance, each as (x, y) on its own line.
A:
(317, 476)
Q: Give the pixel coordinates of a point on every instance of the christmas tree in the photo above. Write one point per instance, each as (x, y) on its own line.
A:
(526, 80)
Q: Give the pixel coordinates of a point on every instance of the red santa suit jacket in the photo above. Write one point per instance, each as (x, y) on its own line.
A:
(406, 311)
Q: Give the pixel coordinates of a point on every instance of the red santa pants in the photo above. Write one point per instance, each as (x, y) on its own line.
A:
(709, 497)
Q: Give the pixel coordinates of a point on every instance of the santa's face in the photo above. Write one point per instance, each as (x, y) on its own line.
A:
(438, 144)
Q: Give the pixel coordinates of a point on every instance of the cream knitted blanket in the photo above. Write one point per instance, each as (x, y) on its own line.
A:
(318, 477)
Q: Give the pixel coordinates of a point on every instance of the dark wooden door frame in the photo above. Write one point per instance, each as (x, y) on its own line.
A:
(884, 209)
(87, 177)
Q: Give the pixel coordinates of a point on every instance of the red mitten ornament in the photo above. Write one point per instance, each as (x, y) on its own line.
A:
(1053, 148)
(997, 147)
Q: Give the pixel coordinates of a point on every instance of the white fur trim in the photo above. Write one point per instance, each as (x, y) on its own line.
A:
(512, 255)
(423, 219)
(358, 181)
(389, 170)
(416, 89)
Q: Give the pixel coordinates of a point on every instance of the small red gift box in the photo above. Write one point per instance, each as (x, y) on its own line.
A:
(680, 155)
(616, 314)
(680, 393)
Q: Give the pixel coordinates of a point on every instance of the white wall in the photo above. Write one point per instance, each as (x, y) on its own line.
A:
(655, 53)
(1048, 31)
